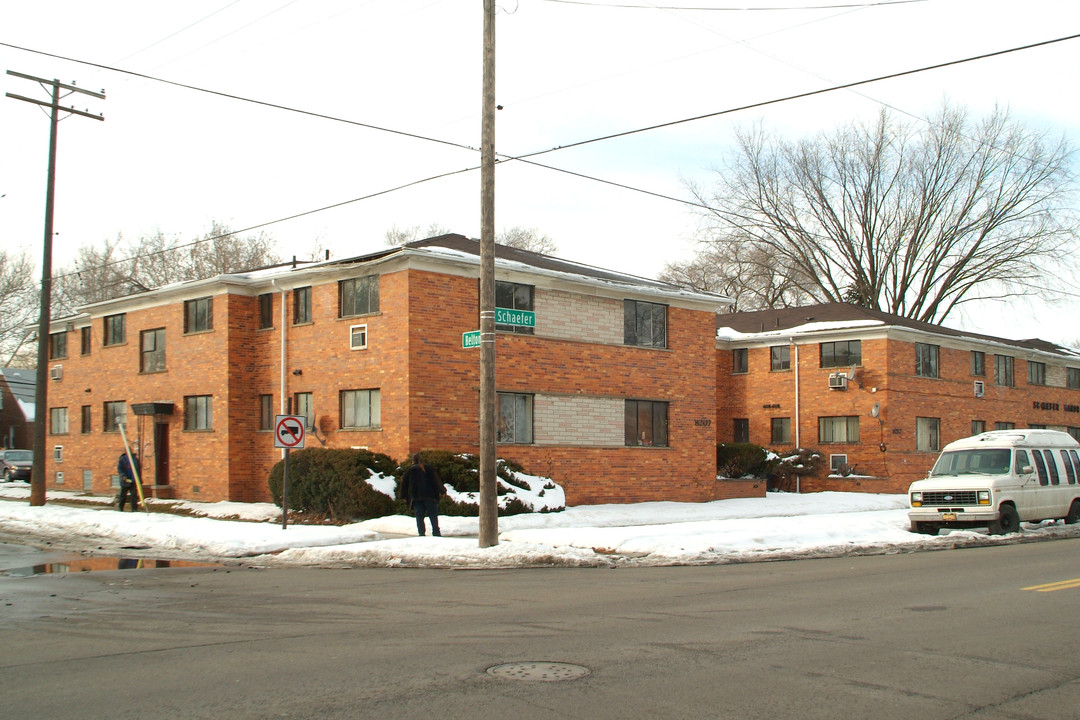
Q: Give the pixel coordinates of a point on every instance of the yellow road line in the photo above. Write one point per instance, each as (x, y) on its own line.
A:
(1050, 587)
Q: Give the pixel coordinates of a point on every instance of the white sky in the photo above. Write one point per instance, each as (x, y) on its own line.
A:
(778, 526)
(176, 159)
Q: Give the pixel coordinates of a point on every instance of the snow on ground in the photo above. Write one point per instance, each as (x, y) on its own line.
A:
(778, 526)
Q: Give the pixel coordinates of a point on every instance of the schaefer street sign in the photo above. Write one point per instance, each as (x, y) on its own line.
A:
(506, 316)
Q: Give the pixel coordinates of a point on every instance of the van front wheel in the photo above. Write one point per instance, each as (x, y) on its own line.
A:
(1074, 513)
(1008, 521)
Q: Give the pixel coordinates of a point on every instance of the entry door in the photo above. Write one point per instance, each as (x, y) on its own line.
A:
(161, 453)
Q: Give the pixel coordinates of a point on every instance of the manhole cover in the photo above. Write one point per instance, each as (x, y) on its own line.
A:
(540, 671)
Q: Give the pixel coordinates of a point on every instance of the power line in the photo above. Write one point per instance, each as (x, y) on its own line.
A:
(623, 6)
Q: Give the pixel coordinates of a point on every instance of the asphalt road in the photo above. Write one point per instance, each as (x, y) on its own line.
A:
(951, 634)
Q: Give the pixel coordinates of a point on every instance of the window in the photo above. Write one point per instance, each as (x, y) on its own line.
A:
(1004, 426)
(740, 362)
(58, 421)
(199, 412)
(266, 311)
(780, 357)
(58, 346)
(843, 429)
(152, 353)
(1074, 432)
(1003, 370)
(978, 363)
(926, 360)
(84, 340)
(85, 418)
(644, 324)
(1072, 378)
(837, 463)
(1070, 471)
(358, 296)
(515, 418)
(358, 337)
(646, 422)
(1040, 467)
(978, 427)
(1036, 373)
(199, 315)
(927, 434)
(301, 305)
(741, 430)
(266, 412)
(114, 414)
(58, 456)
(361, 409)
(841, 354)
(115, 327)
(781, 431)
(304, 405)
(514, 296)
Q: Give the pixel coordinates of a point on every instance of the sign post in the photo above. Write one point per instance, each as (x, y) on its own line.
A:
(288, 434)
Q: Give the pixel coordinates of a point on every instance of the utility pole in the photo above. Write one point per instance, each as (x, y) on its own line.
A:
(41, 397)
(489, 509)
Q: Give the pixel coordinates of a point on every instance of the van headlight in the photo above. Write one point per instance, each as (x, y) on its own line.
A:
(916, 499)
(984, 497)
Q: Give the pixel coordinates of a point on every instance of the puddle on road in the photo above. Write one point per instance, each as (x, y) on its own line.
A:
(97, 564)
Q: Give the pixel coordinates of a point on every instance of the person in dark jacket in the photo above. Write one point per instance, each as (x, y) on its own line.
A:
(422, 487)
(127, 478)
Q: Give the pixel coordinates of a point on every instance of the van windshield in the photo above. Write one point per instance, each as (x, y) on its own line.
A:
(973, 462)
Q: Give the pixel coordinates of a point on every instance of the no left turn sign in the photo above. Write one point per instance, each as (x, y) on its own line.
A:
(289, 431)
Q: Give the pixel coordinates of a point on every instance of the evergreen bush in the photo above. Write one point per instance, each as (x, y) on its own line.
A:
(331, 483)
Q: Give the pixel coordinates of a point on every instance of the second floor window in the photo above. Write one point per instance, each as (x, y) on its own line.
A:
(841, 354)
(1072, 378)
(301, 305)
(115, 329)
(514, 296)
(199, 412)
(978, 363)
(58, 346)
(359, 296)
(152, 353)
(199, 315)
(644, 324)
(266, 311)
(926, 360)
(84, 340)
(1036, 373)
(1003, 370)
(780, 357)
(740, 362)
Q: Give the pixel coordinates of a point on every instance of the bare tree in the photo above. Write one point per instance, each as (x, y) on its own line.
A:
(117, 268)
(910, 220)
(396, 236)
(18, 300)
(527, 238)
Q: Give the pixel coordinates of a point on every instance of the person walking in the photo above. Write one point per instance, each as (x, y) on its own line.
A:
(422, 487)
(128, 476)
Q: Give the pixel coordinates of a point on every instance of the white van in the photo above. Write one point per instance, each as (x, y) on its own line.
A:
(997, 479)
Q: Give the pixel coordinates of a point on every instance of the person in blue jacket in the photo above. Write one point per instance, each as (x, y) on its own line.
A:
(127, 477)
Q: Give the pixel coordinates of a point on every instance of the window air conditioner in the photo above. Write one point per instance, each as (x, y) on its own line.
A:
(980, 388)
(56, 372)
(838, 381)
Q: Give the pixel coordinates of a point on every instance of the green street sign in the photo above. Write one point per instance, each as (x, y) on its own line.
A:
(506, 316)
(470, 339)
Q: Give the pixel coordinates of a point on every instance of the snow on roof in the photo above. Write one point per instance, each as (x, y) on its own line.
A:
(726, 333)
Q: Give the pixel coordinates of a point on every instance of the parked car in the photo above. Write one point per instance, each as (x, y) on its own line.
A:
(16, 464)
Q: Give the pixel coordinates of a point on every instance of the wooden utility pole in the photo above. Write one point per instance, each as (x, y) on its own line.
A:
(489, 509)
(41, 396)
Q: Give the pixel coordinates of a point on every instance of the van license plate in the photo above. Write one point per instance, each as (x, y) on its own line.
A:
(948, 516)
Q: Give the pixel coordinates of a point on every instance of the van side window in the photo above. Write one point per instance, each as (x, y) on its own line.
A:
(1051, 465)
(1070, 472)
(1076, 464)
(1040, 466)
(1021, 461)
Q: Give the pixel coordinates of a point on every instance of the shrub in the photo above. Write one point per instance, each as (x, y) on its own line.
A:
(736, 460)
(461, 471)
(803, 462)
(331, 483)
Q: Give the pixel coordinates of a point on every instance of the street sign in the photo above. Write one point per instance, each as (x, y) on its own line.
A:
(289, 431)
(506, 316)
(470, 339)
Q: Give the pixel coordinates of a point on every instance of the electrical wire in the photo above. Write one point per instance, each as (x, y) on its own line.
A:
(624, 6)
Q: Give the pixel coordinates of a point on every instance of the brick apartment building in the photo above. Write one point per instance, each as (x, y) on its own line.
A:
(881, 393)
(612, 392)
